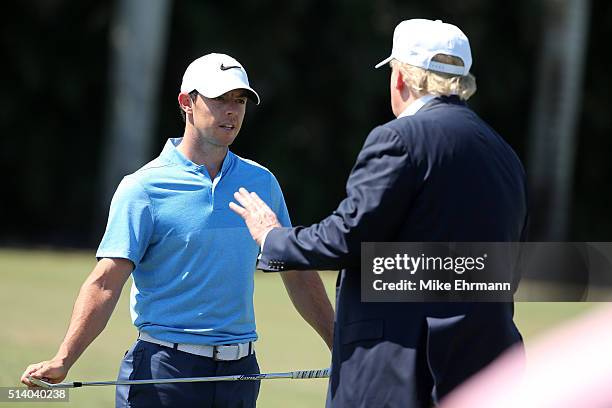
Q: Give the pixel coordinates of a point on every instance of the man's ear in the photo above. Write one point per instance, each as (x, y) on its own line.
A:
(399, 81)
(185, 102)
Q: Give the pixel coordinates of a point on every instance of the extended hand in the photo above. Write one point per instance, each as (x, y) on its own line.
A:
(259, 218)
(52, 371)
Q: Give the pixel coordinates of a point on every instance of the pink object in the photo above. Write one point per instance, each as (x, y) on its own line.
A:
(570, 367)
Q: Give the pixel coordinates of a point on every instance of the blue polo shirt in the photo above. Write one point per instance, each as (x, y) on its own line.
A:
(194, 257)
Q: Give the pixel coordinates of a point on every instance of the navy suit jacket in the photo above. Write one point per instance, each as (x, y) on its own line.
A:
(440, 175)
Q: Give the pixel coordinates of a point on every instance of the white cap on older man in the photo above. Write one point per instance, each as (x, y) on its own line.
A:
(215, 74)
(417, 41)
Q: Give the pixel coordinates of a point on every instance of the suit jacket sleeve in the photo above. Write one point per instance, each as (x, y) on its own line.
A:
(379, 189)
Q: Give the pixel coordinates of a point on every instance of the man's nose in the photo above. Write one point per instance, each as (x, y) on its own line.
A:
(231, 109)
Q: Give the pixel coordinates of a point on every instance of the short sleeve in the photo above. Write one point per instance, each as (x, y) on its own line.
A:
(130, 223)
(278, 203)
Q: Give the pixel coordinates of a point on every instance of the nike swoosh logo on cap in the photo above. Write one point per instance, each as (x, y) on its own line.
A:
(224, 68)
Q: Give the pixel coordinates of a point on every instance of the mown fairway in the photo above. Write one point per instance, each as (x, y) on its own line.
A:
(39, 287)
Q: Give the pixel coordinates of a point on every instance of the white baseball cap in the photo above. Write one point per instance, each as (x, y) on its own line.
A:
(417, 41)
(215, 74)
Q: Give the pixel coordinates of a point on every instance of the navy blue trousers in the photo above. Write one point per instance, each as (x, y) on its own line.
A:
(146, 360)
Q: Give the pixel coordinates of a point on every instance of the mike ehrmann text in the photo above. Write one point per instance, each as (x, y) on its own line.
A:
(435, 285)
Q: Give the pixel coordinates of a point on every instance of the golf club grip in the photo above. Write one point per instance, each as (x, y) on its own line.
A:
(305, 374)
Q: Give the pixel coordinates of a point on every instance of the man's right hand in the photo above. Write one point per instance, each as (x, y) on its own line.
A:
(53, 371)
(92, 309)
(259, 218)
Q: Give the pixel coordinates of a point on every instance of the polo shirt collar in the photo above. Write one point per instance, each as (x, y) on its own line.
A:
(171, 154)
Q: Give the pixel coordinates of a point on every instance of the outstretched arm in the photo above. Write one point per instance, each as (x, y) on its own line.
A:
(380, 188)
(92, 310)
(308, 295)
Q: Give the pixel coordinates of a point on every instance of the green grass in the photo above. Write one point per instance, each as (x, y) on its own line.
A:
(39, 287)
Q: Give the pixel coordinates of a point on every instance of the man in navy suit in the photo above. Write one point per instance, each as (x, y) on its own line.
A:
(438, 173)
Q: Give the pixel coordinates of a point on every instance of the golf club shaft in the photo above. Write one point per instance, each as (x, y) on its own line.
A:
(304, 374)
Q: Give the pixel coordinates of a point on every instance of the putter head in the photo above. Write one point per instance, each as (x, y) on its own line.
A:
(40, 382)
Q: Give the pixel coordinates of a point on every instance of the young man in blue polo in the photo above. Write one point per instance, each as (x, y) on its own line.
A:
(191, 258)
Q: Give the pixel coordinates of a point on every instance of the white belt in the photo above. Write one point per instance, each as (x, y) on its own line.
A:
(229, 352)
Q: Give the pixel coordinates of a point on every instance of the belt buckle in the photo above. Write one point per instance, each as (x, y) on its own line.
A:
(220, 353)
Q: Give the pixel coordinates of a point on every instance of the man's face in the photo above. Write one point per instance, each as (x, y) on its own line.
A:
(218, 120)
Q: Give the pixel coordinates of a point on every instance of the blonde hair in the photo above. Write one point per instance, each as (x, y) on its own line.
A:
(423, 81)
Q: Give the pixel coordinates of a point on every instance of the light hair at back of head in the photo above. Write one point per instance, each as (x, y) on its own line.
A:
(423, 81)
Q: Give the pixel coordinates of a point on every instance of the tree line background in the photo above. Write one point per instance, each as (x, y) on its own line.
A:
(542, 86)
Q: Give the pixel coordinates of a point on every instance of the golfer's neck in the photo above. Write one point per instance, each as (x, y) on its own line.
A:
(203, 153)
